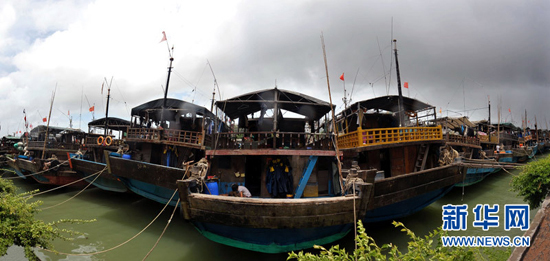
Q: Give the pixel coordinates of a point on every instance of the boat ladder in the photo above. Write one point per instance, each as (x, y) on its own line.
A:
(422, 156)
(305, 176)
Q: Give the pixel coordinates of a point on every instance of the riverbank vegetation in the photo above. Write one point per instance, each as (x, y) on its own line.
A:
(533, 183)
(428, 247)
(18, 225)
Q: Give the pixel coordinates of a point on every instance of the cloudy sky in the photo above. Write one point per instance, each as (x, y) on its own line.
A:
(454, 54)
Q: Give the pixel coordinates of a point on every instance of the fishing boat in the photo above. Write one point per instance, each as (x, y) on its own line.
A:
(165, 134)
(403, 151)
(462, 140)
(45, 157)
(92, 161)
(277, 148)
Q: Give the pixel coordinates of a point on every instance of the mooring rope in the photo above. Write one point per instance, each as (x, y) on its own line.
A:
(121, 244)
(163, 231)
(89, 184)
(59, 187)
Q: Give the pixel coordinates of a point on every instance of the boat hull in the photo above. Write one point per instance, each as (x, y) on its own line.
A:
(404, 195)
(105, 181)
(152, 181)
(272, 225)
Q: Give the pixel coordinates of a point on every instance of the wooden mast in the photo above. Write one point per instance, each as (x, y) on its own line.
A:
(401, 107)
(48, 124)
(107, 109)
(166, 89)
(333, 119)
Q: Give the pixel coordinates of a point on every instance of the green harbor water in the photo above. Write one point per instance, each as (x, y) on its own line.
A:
(122, 216)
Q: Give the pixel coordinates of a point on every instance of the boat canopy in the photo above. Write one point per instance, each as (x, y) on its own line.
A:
(311, 108)
(453, 123)
(390, 104)
(152, 109)
(113, 123)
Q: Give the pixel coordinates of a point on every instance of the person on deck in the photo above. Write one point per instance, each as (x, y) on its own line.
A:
(239, 191)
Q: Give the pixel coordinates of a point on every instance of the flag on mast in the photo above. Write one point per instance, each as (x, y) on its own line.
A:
(406, 85)
(163, 37)
(92, 108)
(342, 77)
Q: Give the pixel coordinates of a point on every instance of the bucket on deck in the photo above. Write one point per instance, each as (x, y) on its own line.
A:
(126, 156)
(212, 188)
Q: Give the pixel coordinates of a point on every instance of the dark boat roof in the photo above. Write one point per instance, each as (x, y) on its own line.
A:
(173, 106)
(391, 104)
(54, 129)
(296, 102)
(113, 123)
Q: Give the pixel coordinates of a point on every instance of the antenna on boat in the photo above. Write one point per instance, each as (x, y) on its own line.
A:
(48, 124)
(333, 118)
(215, 87)
(401, 115)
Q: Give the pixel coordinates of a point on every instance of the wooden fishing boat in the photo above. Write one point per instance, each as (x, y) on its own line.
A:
(276, 147)
(92, 161)
(462, 140)
(156, 155)
(410, 176)
(48, 161)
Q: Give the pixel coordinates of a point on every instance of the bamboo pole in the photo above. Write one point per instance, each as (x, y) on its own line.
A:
(333, 119)
(48, 125)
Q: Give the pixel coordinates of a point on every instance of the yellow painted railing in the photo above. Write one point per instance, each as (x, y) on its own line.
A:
(372, 137)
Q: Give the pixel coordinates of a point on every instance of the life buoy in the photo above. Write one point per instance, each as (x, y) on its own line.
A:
(411, 114)
(100, 140)
(108, 140)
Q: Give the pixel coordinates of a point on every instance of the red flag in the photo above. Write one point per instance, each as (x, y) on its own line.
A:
(92, 108)
(25, 118)
(406, 85)
(45, 119)
(163, 37)
(69, 113)
(31, 126)
(19, 131)
(509, 110)
(342, 77)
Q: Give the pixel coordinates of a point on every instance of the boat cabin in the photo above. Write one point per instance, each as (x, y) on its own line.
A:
(275, 142)
(169, 132)
(370, 132)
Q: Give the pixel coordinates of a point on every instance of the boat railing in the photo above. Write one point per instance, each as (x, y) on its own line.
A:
(486, 138)
(462, 139)
(182, 136)
(165, 135)
(270, 140)
(508, 136)
(143, 134)
(372, 137)
(54, 145)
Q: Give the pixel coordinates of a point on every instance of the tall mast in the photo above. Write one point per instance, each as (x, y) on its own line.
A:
(48, 125)
(107, 108)
(333, 119)
(166, 89)
(489, 120)
(401, 112)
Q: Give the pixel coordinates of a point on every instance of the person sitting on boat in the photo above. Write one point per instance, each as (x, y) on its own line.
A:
(239, 191)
